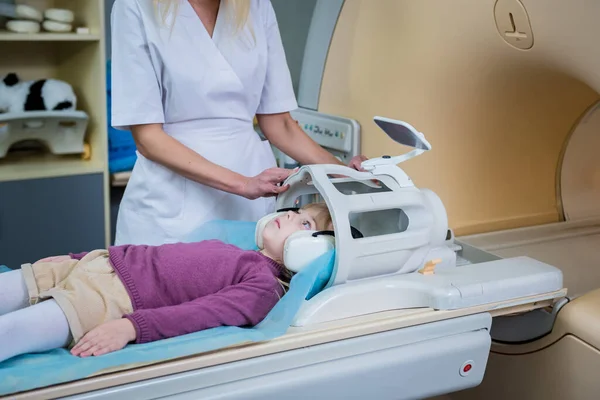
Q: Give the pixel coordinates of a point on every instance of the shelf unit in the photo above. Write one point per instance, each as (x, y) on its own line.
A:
(79, 59)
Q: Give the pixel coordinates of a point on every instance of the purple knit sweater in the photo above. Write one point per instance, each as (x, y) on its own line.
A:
(187, 287)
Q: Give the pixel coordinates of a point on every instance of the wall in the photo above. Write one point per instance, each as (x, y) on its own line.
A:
(294, 18)
(496, 118)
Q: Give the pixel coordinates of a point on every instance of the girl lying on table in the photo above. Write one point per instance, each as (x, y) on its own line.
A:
(98, 302)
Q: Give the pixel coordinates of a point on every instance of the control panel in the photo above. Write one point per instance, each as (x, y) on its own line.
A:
(332, 132)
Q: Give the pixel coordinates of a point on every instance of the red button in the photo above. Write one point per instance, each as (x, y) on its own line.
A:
(466, 368)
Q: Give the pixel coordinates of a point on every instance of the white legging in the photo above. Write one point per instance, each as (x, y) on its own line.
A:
(24, 328)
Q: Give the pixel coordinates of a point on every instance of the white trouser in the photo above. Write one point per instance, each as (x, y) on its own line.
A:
(24, 328)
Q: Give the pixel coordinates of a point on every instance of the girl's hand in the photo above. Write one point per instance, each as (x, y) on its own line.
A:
(108, 337)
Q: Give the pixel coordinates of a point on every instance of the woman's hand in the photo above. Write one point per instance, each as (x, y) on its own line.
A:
(357, 161)
(108, 337)
(266, 184)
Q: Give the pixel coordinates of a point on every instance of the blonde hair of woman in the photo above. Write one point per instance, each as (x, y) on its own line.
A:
(238, 11)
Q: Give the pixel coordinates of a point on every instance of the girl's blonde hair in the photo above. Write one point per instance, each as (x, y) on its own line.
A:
(238, 11)
(320, 214)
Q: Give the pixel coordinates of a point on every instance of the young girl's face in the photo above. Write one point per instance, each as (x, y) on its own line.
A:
(278, 230)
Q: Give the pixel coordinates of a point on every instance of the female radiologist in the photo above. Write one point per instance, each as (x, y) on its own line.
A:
(188, 77)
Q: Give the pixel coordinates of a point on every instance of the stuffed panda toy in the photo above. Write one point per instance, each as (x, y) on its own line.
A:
(39, 95)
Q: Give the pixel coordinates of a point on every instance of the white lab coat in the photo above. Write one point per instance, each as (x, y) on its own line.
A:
(205, 91)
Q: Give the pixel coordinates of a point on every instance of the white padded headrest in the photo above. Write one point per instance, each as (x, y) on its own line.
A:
(260, 226)
(301, 247)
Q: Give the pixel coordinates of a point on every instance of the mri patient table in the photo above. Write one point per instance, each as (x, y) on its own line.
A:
(396, 354)
(393, 355)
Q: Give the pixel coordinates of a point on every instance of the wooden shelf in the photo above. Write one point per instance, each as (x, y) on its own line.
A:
(80, 60)
(47, 37)
(19, 167)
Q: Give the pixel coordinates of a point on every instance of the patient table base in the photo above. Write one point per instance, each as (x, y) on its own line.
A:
(415, 362)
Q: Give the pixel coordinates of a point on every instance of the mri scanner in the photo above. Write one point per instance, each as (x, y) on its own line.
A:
(507, 93)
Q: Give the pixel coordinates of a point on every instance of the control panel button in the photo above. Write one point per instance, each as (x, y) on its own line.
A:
(466, 368)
